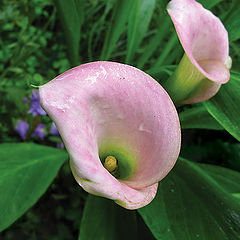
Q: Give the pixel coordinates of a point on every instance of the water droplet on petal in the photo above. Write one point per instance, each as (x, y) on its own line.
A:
(143, 129)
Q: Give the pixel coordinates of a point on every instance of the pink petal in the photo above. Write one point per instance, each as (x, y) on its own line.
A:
(205, 41)
(106, 102)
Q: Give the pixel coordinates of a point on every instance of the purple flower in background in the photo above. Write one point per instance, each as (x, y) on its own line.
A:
(25, 100)
(22, 128)
(35, 107)
(54, 130)
(60, 145)
(39, 131)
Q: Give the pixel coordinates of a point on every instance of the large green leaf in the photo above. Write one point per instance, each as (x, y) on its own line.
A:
(190, 204)
(138, 23)
(116, 26)
(224, 106)
(226, 178)
(26, 171)
(198, 117)
(71, 15)
(105, 220)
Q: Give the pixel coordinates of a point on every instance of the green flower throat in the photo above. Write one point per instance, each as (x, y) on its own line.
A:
(117, 160)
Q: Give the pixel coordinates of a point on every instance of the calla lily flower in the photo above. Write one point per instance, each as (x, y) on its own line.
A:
(206, 62)
(119, 126)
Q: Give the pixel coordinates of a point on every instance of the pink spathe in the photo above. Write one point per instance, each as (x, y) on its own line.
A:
(111, 102)
(205, 41)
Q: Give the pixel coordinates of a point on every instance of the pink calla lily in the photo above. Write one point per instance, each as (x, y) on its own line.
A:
(106, 110)
(206, 63)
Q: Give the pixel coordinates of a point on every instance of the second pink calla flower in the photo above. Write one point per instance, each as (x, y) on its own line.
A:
(206, 63)
(119, 126)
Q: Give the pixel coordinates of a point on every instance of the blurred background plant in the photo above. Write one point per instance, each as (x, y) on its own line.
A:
(42, 38)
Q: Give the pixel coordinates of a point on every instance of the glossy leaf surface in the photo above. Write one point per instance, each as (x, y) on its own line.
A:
(26, 171)
(191, 204)
(224, 106)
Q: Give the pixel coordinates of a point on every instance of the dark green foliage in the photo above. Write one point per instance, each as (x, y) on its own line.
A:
(215, 152)
(104, 219)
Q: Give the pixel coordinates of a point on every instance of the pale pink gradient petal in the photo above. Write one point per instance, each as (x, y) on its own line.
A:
(106, 100)
(205, 41)
(209, 88)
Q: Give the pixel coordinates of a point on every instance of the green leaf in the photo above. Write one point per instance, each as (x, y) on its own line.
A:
(205, 151)
(132, 34)
(26, 171)
(171, 44)
(156, 41)
(116, 26)
(209, 3)
(198, 117)
(16, 95)
(167, 69)
(224, 106)
(232, 24)
(237, 195)
(228, 179)
(95, 35)
(138, 23)
(71, 15)
(105, 220)
(190, 205)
